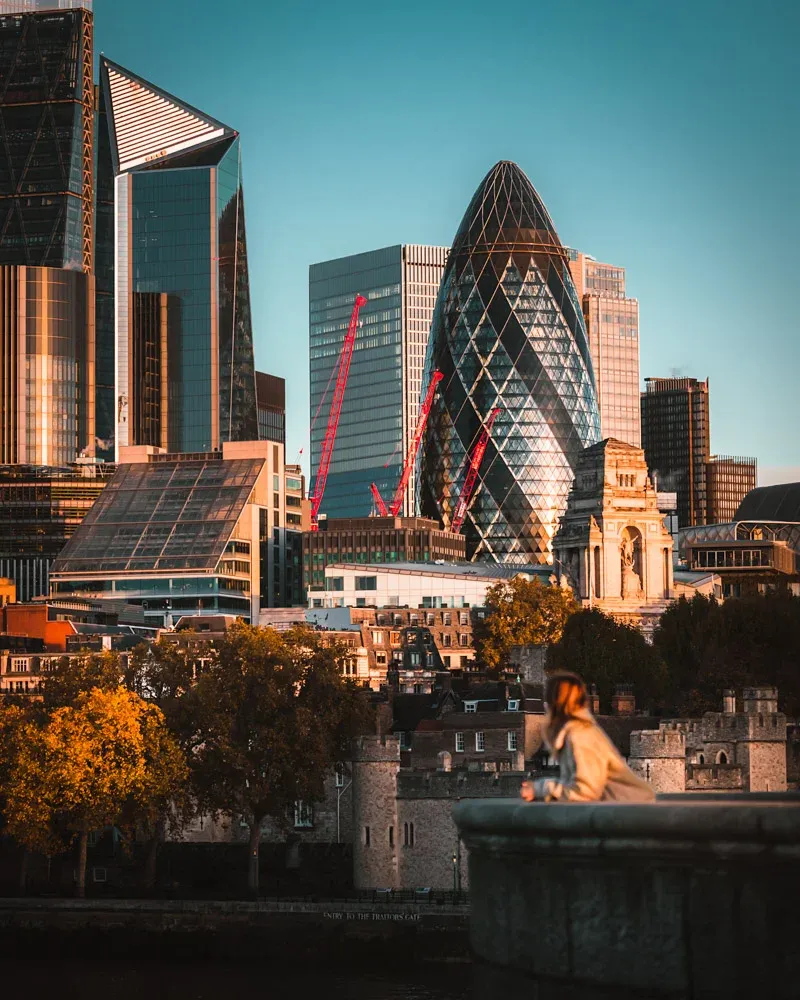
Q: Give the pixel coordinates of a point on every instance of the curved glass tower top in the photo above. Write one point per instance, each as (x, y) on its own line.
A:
(508, 332)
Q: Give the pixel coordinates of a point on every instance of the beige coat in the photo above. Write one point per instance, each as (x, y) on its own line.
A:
(591, 768)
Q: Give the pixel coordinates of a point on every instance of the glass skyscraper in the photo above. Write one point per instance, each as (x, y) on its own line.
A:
(381, 404)
(184, 378)
(508, 332)
(47, 328)
(612, 324)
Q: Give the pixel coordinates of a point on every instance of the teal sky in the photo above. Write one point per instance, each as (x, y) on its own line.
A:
(663, 137)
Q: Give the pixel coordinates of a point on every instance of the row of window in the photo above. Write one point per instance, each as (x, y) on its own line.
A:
(408, 835)
(480, 741)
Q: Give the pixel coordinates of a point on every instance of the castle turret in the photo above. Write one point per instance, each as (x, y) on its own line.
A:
(376, 761)
(659, 756)
(763, 701)
(729, 702)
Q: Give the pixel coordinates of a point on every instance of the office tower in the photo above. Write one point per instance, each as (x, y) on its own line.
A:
(378, 540)
(612, 324)
(675, 436)
(508, 333)
(183, 534)
(46, 241)
(381, 404)
(271, 406)
(41, 508)
(184, 378)
(728, 481)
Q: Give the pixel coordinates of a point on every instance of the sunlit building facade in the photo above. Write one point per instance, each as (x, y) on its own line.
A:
(183, 534)
(728, 481)
(381, 404)
(612, 325)
(184, 377)
(47, 329)
(508, 332)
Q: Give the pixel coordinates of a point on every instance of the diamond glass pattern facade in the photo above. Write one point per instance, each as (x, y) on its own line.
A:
(46, 137)
(508, 332)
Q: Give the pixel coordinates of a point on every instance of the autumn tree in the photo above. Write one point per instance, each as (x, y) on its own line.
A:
(86, 765)
(521, 612)
(606, 652)
(74, 676)
(276, 714)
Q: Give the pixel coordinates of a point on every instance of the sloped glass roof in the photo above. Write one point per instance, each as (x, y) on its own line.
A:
(161, 516)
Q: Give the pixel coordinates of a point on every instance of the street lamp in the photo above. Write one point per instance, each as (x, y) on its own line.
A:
(455, 873)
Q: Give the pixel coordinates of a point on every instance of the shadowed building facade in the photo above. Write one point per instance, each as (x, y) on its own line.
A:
(184, 378)
(508, 332)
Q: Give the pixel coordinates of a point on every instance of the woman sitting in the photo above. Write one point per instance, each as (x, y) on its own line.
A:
(590, 767)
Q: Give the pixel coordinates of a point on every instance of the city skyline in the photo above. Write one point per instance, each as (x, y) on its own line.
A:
(695, 145)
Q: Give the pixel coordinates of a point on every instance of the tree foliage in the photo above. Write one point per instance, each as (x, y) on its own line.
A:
(75, 676)
(743, 642)
(83, 767)
(521, 612)
(275, 714)
(606, 652)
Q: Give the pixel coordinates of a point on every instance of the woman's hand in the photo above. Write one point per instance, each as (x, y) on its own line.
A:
(526, 791)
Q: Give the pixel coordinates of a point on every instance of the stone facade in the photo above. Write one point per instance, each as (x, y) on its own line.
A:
(723, 751)
(376, 761)
(612, 548)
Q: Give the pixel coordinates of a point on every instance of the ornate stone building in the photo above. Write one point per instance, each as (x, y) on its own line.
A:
(612, 548)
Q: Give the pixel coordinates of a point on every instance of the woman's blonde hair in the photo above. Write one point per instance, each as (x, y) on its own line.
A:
(565, 694)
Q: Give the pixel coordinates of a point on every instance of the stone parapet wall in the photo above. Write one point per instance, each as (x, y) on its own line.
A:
(678, 899)
(662, 742)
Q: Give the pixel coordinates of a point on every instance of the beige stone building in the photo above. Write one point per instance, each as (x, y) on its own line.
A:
(611, 547)
(724, 751)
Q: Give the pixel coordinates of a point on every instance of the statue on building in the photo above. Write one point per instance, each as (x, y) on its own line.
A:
(630, 556)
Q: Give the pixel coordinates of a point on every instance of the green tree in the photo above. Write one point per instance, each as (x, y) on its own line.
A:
(750, 641)
(275, 715)
(74, 676)
(85, 765)
(606, 652)
(521, 612)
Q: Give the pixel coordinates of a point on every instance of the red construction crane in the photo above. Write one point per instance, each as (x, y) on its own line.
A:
(411, 457)
(472, 473)
(343, 370)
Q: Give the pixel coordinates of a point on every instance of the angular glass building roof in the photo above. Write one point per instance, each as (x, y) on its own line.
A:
(148, 124)
(173, 515)
(508, 333)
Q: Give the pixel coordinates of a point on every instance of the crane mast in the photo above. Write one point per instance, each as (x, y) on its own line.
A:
(472, 473)
(411, 457)
(329, 440)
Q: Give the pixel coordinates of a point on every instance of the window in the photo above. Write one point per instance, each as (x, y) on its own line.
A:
(480, 741)
(303, 814)
(512, 740)
(446, 661)
(463, 639)
(447, 640)
(334, 583)
(446, 618)
(366, 583)
(470, 706)
(513, 704)
(459, 742)
(391, 836)
(722, 757)
(366, 836)
(463, 618)
(380, 658)
(408, 834)
(378, 638)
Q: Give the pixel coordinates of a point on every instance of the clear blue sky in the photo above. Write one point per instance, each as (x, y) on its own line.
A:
(663, 137)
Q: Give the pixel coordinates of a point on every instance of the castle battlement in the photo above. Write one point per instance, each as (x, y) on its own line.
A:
(459, 784)
(663, 742)
(376, 750)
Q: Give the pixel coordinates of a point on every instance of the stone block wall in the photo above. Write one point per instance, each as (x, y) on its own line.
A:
(764, 765)
(376, 761)
(659, 756)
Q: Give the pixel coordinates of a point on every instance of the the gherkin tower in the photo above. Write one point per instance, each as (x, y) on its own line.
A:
(508, 332)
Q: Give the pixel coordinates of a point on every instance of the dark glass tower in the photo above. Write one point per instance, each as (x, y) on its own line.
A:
(508, 332)
(46, 137)
(184, 377)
